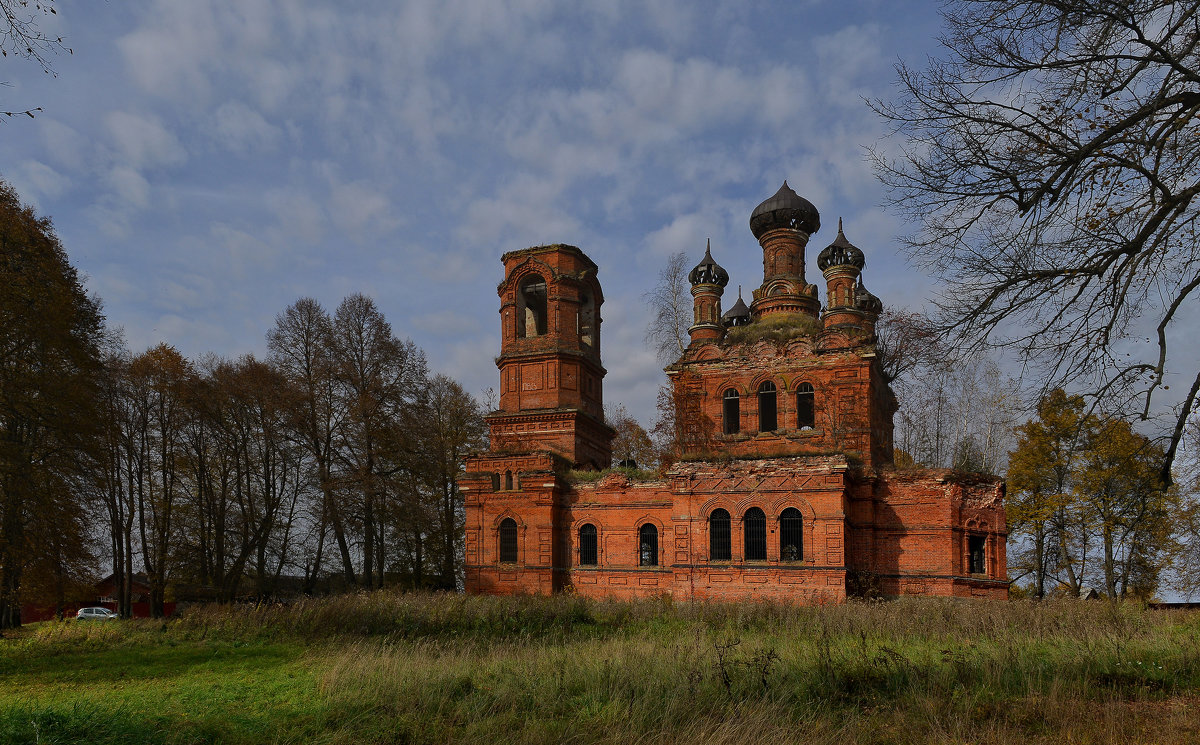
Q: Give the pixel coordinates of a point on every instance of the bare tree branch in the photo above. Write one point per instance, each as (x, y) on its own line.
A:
(1052, 168)
(671, 309)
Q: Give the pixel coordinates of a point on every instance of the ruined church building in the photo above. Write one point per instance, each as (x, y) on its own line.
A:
(786, 489)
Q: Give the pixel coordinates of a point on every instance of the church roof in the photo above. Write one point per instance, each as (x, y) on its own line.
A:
(708, 272)
(786, 209)
(841, 252)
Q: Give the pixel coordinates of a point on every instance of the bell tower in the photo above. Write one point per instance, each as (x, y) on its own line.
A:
(782, 226)
(847, 302)
(551, 379)
(708, 280)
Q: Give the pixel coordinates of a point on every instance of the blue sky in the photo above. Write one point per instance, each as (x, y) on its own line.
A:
(207, 163)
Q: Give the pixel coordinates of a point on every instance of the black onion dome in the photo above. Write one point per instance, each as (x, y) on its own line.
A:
(786, 209)
(840, 252)
(739, 314)
(865, 301)
(708, 272)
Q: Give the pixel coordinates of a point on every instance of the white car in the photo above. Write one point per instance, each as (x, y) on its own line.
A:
(96, 614)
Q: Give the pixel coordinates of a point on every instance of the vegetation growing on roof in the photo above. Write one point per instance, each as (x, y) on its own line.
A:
(778, 327)
(574, 476)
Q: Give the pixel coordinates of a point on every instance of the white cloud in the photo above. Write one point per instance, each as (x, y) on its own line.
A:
(169, 55)
(130, 190)
(42, 179)
(360, 208)
(685, 233)
(64, 146)
(142, 141)
(242, 130)
(524, 212)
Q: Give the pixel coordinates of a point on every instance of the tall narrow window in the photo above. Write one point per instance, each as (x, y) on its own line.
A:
(806, 411)
(495, 482)
(767, 421)
(975, 555)
(531, 307)
(508, 480)
(648, 546)
(755, 522)
(791, 535)
(587, 545)
(508, 541)
(733, 412)
(718, 536)
(587, 321)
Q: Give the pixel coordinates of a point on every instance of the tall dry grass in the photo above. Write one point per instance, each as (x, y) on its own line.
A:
(903, 671)
(390, 667)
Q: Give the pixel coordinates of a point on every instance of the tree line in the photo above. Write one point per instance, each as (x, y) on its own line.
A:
(329, 464)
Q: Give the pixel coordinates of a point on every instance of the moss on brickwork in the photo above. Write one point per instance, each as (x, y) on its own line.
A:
(778, 327)
(575, 476)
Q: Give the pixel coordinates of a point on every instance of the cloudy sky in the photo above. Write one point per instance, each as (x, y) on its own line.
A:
(206, 162)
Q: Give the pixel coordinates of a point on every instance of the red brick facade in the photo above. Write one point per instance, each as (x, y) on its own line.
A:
(786, 489)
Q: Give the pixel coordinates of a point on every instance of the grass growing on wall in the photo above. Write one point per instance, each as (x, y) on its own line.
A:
(777, 327)
(382, 667)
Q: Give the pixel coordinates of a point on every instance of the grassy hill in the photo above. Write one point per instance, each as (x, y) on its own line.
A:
(382, 667)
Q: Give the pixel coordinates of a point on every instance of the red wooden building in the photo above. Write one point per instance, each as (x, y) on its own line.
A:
(787, 488)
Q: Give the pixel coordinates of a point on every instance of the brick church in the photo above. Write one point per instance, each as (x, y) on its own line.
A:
(785, 488)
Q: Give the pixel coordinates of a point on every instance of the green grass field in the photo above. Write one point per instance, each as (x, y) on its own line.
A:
(383, 667)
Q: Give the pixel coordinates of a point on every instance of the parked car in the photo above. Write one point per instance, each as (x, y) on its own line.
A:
(96, 614)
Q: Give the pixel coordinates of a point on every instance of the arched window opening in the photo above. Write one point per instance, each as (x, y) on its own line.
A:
(755, 524)
(508, 480)
(587, 321)
(719, 548)
(767, 419)
(806, 411)
(587, 545)
(531, 307)
(732, 412)
(495, 482)
(648, 546)
(975, 554)
(508, 541)
(791, 535)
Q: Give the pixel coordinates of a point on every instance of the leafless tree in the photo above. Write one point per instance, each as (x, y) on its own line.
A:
(1050, 166)
(632, 443)
(670, 309)
(903, 341)
(300, 348)
(21, 36)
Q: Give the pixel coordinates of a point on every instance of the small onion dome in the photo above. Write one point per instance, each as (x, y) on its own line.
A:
(708, 272)
(739, 314)
(786, 209)
(840, 252)
(865, 301)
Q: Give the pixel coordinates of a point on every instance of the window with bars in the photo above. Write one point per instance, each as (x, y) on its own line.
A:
(587, 545)
(806, 410)
(719, 548)
(975, 554)
(791, 535)
(755, 525)
(648, 546)
(732, 412)
(768, 420)
(508, 541)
